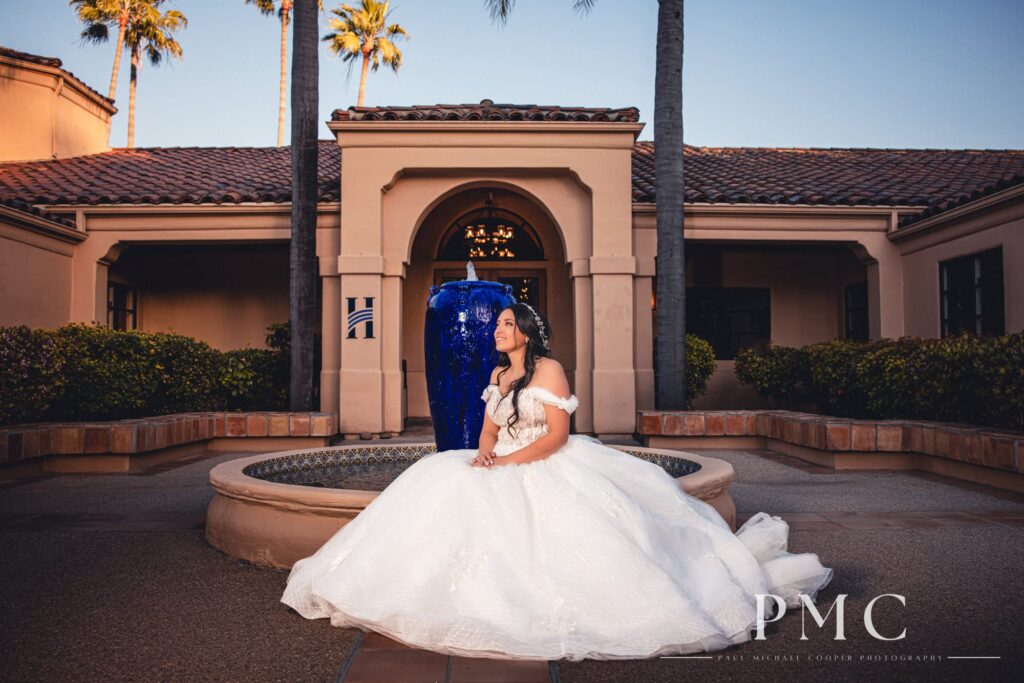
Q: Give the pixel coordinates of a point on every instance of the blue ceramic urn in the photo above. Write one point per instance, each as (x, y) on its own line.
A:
(460, 354)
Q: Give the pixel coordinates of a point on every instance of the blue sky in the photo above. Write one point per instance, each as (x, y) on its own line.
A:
(789, 73)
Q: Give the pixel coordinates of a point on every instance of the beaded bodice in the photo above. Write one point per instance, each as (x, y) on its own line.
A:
(532, 422)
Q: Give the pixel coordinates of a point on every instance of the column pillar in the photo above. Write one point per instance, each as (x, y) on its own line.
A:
(330, 332)
(643, 347)
(391, 315)
(360, 375)
(614, 378)
(89, 269)
(583, 315)
(885, 274)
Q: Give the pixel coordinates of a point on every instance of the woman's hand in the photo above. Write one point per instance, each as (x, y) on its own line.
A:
(484, 459)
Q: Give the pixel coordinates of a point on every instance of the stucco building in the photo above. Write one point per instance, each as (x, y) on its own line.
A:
(792, 245)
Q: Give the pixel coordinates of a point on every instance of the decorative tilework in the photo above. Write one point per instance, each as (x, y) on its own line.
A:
(374, 467)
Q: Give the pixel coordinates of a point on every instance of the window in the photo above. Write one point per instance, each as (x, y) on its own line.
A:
(730, 318)
(856, 309)
(121, 306)
(528, 285)
(490, 234)
(971, 294)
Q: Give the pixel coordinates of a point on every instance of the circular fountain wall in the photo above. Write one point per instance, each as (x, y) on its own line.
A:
(276, 508)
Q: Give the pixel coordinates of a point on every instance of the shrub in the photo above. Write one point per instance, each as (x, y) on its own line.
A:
(700, 365)
(31, 373)
(108, 374)
(187, 371)
(781, 373)
(92, 372)
(963, 378)
(832, 377)
(251, 379)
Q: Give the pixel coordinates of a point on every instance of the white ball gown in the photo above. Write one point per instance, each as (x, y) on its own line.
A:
(590, 553)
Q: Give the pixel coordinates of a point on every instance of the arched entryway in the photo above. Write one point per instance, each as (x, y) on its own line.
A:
(531, 258)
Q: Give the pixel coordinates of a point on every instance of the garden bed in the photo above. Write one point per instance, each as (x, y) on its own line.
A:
(981, 454)
(124, 445)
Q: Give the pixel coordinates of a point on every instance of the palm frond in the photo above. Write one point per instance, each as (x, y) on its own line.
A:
(389, 54)
(500, 10)
(583, 6)
(95, 33)
(265, 7)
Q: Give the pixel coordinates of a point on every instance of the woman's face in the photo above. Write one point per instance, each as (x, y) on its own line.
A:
(507, 336)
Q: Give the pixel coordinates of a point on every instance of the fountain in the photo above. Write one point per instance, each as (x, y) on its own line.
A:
(458, 342)
(276, 508)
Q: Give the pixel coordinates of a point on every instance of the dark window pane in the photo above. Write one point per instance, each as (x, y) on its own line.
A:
(730, 318)
(524, 289)
(971, 294)
(856, 311)
(121, 306)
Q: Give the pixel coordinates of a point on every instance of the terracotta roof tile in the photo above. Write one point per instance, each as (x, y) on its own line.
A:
(29, 209)
(486, 111)
(51, 62)
(935, 180)
(168, 175)
(26, 57)
(930, 178)
(939, 207)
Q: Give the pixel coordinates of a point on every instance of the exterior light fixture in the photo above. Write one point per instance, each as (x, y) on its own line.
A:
(488, 235)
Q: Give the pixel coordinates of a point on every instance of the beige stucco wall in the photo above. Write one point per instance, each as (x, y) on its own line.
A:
(225, 295)
(35, 270)
(396, 173)
(54, 114)
(1002, 224)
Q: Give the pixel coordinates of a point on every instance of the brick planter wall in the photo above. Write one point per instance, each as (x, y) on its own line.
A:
(869, 440)
(128, 437)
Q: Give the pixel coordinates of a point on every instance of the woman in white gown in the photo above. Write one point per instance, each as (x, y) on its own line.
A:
(542, 545)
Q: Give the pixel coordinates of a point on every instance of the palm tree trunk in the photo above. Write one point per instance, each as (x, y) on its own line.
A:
(302, 290)
(131, 97)
(670, 349)
(362, 80)
(285, 7)
(122, 24)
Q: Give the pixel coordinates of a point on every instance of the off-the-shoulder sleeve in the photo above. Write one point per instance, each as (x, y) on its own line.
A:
(487, 392)
(569, 405)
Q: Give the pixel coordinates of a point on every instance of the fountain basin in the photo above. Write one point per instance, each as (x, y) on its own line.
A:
(261, 514)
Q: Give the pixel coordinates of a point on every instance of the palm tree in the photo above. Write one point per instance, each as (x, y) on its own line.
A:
(302, 286)
(670, 345)
(365, 32)
(150, 32)
(141, 28)
(98, 15)
(267, 7)
(669, 196)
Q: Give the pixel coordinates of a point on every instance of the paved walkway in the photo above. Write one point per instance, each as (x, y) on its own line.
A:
(108, 577)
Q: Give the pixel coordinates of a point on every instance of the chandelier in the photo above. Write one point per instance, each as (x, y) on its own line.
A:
(487, 235)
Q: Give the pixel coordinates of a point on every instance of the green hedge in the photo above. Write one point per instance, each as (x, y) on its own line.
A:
(700, 365)
(83, 372)
(965, 378)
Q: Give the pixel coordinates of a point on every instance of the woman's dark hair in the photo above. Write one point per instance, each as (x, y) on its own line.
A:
(535, 348)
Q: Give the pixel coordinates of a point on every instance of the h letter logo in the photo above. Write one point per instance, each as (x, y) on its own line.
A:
(362, 316)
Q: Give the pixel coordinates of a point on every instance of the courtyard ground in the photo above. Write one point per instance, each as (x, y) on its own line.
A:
(108, 577)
